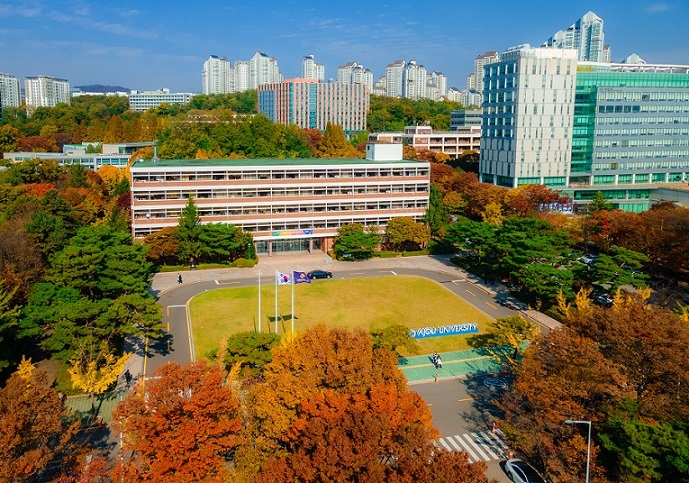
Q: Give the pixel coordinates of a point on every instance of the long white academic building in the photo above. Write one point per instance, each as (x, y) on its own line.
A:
(286, 204)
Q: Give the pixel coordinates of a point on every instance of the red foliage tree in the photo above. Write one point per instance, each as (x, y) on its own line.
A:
(34, 429)
(180, 426)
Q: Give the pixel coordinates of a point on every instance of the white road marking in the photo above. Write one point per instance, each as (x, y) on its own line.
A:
(465, 448)
(477, 447)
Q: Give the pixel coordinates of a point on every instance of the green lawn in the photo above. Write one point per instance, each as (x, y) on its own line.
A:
(366, 302)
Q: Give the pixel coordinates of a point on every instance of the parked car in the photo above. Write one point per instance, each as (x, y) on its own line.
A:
(604, 300)
(521, 472)
(319, 274)
(588, 258)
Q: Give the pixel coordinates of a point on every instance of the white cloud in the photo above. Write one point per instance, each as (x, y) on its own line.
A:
(21, 9)
(659, 7)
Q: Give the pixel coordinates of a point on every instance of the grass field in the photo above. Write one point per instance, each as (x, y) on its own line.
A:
(368, 303)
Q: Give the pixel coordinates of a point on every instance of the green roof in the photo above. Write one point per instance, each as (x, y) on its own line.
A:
(172, 163)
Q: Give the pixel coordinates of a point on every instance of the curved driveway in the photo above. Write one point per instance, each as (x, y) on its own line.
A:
(454, 410)
(178, 345)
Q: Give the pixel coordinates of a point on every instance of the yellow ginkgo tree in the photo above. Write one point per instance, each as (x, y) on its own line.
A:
(94, 368)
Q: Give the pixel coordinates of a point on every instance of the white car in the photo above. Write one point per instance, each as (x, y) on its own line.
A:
(521, 472)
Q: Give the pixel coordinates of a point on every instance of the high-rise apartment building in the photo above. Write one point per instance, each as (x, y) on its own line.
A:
(585, 126)
(470, 98)
(394, 79)
(585, 36)
(310, 69)
(44, 91)
(475, 79)
(241, 75)
(312, 104)
(263, 69)
(379, 87)
(471, 81)
(414, 81)
(362, 76)
(217, 76)
(344, 73)
(353, 73)
(436, 86)
(10, 90)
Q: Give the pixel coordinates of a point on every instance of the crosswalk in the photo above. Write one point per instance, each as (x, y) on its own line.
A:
(480, 446)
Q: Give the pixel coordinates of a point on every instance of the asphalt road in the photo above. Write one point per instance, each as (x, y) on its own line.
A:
(463, 411)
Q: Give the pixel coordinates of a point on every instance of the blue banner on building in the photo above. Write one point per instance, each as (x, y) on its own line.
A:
(456, 329)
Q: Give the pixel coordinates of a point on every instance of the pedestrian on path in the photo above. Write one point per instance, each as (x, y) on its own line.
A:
(128, 377)
(179, 278)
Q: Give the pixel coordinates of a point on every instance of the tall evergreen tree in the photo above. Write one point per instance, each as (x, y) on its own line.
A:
(436, 215)
(188, 232)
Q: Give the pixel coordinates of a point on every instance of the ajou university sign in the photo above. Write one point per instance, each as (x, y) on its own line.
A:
(456, 329)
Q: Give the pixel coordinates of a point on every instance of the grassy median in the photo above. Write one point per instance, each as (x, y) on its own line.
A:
(368, 303)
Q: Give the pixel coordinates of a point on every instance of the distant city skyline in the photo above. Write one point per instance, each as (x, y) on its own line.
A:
(155, 44)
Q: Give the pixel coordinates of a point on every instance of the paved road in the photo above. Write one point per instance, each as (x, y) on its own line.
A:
(463, 413)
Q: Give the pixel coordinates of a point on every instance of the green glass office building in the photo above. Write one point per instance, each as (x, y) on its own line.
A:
(629, 130)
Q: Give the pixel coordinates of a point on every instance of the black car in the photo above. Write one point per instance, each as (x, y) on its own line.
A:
(319, 274)
(521, 472)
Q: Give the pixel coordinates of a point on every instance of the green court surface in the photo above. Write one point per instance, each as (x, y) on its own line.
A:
(455, 364)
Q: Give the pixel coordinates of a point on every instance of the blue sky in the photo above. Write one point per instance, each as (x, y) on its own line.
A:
(150, 44)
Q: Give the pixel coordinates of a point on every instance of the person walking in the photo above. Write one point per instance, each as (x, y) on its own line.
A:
(128, 377)
(179, 278)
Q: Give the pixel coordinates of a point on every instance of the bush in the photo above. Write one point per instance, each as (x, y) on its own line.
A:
(386, 254)
(416, 253)
(240, 263)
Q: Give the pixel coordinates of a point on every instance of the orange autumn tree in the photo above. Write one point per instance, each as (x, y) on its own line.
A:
(180, 426)
(34, 427)
(333, 408)
(562, 376)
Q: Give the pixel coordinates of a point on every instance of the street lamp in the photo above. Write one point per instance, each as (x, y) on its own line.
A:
(588, 446)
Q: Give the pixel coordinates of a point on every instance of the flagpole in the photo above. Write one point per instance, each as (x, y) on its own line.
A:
(259, 301)
(276, 301)
(293, 284)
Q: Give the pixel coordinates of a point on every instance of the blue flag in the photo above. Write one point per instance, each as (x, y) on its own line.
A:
(301, 277)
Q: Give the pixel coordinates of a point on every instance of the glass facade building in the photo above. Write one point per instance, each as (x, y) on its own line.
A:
(631, 125)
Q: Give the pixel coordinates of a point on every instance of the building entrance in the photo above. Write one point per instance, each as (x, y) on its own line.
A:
(288, 245)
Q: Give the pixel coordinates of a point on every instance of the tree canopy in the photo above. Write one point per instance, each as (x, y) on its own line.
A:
(183, 427)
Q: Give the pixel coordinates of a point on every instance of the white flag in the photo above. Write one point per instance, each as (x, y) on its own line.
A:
(283, 278)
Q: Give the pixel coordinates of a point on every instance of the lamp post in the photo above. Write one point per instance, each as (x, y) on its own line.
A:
(588, 445)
